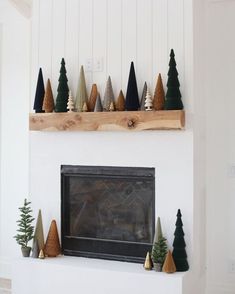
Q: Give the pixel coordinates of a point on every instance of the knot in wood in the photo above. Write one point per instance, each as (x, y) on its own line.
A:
(130, 123)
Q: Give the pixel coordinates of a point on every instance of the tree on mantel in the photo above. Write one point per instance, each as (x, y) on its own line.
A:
(40, 92)
(62, 90)
(173, 96)
(132, 96)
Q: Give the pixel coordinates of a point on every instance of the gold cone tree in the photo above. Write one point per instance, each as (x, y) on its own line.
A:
(81, 96)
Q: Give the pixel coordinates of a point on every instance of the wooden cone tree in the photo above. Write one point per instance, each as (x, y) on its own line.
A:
(48, 101)
(148, 102)
(132, 96)
(179, 252)
(120, 105)
(98, 104)
(62, 90)
(92, 98)
(52, 246)
(144, 93)
(108, 95)
(81, 96)
(70, 104)
(159, 95)
(173, 96)
(40, 92)
(38, 235)
(169, 264)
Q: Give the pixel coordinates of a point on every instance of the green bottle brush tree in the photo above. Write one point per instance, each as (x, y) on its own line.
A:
(159, 253)
(25, 228)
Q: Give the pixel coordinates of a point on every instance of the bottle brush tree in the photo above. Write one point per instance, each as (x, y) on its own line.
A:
(159, 252)
(173, 96)
(179, 252)
(25, 228)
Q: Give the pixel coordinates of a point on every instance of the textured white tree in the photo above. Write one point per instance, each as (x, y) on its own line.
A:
(148, 101)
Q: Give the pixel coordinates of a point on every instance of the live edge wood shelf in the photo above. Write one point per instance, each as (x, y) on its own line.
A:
(108, 121)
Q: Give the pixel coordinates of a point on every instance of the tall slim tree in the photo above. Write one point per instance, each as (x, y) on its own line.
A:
(81, 96)
(62, 90)
(173, 96)
(132, 96)
(108, 95)
(179, 252)
(40, 92)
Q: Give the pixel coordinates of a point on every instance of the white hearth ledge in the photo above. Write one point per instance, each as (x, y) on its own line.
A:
(84, 275)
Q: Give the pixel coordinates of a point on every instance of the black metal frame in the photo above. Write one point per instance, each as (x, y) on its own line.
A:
(100, 248)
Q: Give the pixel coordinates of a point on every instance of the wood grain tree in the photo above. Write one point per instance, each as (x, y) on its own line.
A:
(92, 98)
(52, 246)
(48, 101)
(159, 95)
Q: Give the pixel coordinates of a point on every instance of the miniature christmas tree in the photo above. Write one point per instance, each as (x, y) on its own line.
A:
(85, 107)
(62, 90)
(159, 95)
(52, 246)
(148, 265)
(38, 235)
(159, 253)
(169, 264)
(92, 99)
(179, 252)
(81, 96)
(132, 96)
(148, 102)
(112, 107)
(70, 104)
(40, 92)
(173, 96)
(25, 228)
(98, 104)
(142, 102)
(108, 95)
(120, 105)
(48, 101)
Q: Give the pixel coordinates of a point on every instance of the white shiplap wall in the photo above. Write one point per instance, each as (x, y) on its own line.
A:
(117, 31)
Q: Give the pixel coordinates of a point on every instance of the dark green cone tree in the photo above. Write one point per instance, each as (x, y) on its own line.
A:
(62, 90)
(173, 96)
(179, 252)
(132, 96)
(39, 95)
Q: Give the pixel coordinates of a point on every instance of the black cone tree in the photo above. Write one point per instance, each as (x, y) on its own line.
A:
(132, 97)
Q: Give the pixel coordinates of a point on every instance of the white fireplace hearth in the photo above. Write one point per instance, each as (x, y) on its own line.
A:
(84, 275)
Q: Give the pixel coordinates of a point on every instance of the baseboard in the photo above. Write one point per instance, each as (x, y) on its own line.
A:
(225, 288)
(5, 268)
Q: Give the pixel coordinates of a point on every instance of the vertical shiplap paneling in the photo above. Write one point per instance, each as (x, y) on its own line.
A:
(144, 43)
(45, 38)
(34, 49)
(86, 36)
(71, 43)
(99, 43)
(160, 39)
(129, 39)
(114, 44)
(58, 17)
(176, 36)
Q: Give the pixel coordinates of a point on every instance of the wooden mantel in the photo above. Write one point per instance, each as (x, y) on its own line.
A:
(108, 121)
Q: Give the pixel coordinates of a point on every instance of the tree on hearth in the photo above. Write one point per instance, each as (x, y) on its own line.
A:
(40, 92)
(132, 96)
(179, 252)
(62, 90)
(52, 245)
(173, 96)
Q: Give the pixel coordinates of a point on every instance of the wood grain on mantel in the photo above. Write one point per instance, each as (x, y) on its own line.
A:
(108, 121)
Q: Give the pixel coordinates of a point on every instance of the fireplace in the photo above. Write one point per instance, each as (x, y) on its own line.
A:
(107, 212)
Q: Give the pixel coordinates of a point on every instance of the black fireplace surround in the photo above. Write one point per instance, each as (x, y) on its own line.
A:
(107, 212)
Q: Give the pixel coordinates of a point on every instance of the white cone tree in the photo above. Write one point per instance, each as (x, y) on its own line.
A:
(148, 101)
